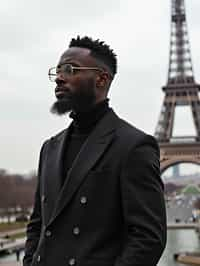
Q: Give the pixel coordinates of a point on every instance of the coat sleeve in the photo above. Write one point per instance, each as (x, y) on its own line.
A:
(143, 206)
(34, 225)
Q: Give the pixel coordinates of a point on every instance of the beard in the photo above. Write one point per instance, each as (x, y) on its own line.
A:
(61, 106)
(79, 101)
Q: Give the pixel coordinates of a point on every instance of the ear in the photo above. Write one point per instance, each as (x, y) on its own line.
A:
(102, 80)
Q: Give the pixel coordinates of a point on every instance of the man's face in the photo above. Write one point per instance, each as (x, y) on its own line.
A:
(75, 91)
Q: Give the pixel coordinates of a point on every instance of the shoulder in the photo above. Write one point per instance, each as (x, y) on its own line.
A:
(59, 135)
(133, 136)
(53, 139)
(129, 130)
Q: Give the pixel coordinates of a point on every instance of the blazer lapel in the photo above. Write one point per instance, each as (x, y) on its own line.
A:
(54, 167)
(89, 154)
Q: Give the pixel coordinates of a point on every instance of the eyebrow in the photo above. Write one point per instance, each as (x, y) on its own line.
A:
(71, 62)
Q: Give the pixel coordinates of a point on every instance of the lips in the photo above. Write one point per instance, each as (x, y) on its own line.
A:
(61, 92)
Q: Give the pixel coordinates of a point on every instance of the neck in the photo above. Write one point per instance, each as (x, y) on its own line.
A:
(84, 121)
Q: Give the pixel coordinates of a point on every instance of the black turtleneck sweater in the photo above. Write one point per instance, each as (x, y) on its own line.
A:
(82, 126)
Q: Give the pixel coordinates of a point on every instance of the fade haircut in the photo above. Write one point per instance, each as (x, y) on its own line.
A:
(99, 50)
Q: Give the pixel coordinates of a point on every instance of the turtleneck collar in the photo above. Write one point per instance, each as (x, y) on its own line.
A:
(83, 122)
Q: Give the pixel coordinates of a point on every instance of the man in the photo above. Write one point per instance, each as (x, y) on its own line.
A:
(99, 199)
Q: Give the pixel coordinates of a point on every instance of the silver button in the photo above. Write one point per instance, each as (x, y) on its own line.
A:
(72, 261)
(76, 231)
(48, 233)
(38, 258)
(83, 200)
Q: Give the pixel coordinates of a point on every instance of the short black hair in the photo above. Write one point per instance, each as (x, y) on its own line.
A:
(99, 50)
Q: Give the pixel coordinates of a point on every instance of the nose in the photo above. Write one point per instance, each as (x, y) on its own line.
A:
(60, 75)
(60, 78)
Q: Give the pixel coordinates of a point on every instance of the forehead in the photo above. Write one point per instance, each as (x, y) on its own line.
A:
(78, 55)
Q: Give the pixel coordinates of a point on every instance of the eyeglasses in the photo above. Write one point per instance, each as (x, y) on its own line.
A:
(67, 70)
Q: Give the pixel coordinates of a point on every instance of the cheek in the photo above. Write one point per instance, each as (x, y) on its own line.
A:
(84, 83)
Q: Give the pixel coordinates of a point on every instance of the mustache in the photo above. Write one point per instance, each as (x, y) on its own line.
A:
(62, 88)
(62, 92)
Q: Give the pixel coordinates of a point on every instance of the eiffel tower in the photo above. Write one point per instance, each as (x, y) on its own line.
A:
(180, 90)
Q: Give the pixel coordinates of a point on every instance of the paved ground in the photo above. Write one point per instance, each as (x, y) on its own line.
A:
(12, 232)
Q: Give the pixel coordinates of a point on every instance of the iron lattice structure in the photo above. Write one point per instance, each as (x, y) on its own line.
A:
(181, 88)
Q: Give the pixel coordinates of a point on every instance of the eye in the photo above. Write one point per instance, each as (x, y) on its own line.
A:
(67, 68)
(75, 70)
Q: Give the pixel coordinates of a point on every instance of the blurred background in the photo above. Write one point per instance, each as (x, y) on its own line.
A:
(33, 36)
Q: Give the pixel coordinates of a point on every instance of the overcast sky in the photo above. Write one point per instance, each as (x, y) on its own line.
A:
(35, 33)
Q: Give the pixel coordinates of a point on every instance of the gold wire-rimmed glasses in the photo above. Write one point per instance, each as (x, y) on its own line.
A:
(68, 70)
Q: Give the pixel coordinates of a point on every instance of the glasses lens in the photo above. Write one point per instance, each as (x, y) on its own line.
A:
(52, 74)
(67, 69)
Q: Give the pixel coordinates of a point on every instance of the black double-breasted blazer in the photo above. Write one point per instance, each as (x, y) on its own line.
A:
(109, 212)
